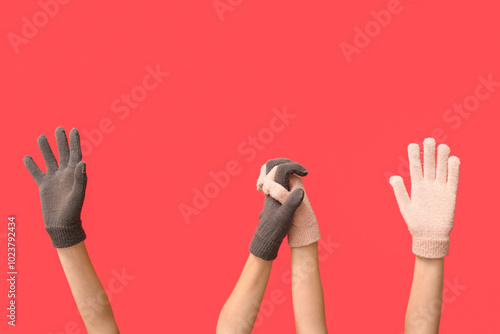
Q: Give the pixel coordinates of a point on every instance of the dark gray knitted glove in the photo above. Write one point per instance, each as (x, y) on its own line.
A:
(275, 218)
(62, 188)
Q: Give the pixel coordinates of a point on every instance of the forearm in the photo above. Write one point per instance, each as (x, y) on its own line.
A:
(89, 295)
(241, 309)
(307, 291)
(424, 306)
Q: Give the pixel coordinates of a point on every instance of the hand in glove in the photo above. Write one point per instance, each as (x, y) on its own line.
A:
(304, 230)
(62, 188)
(430, 211)
(276, 218)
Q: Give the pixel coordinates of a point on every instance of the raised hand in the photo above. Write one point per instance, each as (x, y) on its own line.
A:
(62, 188)
(276, 218)
(430, 211)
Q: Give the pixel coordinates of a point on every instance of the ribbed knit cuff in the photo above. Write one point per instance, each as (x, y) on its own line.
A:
(299, 236)
(66, 236)
(264, 248)
(430, 248)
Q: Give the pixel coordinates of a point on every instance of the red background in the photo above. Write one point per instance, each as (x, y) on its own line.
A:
(353, 122)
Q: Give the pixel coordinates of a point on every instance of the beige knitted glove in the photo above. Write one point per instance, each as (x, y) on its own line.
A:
(304, 230)
(430, 211)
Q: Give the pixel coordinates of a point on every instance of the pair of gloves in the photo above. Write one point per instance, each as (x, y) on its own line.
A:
(429, 213)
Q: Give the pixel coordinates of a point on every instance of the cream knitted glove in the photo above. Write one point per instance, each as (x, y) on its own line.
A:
(430, 211)
(304, 230)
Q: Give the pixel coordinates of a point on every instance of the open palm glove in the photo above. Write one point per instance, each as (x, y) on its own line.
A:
(430, 210)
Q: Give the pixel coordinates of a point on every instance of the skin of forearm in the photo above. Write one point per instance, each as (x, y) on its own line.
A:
(89, 295)
(424, 306)
(307, 291)
(241, 309)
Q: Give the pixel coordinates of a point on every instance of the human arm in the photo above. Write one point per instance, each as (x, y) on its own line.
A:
(424, 305)
(87, 290)
(62, 192)
(241, 309)
(307, 290)
(429, 214)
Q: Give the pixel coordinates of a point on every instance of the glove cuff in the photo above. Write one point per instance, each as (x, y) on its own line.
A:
(431, 248)
(63, 235)
(264, 248)
(303, 235)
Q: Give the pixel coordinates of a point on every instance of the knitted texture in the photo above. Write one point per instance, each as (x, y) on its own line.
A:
(276, 218)
(62, 188)
(430, 211)
(304, 230)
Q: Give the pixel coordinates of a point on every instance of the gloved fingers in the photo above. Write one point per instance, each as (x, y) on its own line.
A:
(429, 159)
(48, 156)
(266, 169)
(453, 171)
(270, 164)
(276, 191)
(262, 177)
(295, 182)
(62, 146)
(32, 167)
(442, 163)
(400, 192)
(414, 161)
(80, 181)
(283, 171)
(292, 203)
(75, 152)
